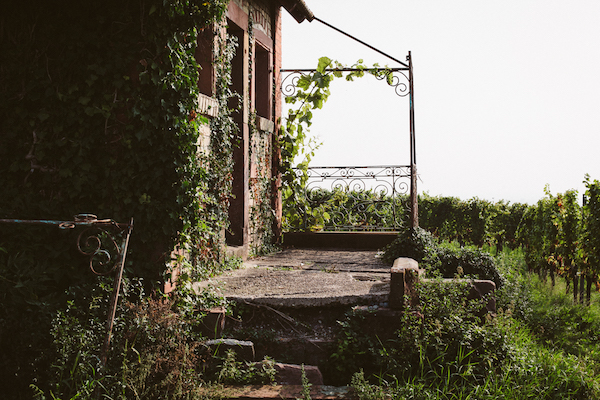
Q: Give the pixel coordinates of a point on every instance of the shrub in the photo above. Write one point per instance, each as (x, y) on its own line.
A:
(473, 261)
(155, 350)
(443, 260)
(415, 243)
(441, 338)
(538, 346)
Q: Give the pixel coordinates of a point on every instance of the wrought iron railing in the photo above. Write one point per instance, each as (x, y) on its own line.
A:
(370, 198)
(401, 79)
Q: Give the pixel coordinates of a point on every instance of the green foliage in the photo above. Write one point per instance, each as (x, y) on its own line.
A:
(344, 209)
(446, 338)
(591, 221)
(313, 91)
(30, 295)
(473, 221)
(232, 372)
(100, 114)
(305, 392)
(553, 235)
(416, 243)
(354, 349)
(444, 260)
(156, 347)
(439, 339)
(536, 347)
(471, 261)
(262, 216)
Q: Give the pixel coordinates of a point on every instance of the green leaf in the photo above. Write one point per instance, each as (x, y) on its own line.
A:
(304, 82)
(324, 62)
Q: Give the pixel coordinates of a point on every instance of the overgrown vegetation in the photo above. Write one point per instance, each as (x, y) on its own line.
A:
(443, 259)
(534, 346)
(115, 84)
(468, 222)
(538, 345)
(99, 114)
(157, 349)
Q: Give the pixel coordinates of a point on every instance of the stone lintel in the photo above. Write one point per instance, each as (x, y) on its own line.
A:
(264, 124)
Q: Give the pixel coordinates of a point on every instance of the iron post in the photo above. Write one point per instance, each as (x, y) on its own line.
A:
(414, 202)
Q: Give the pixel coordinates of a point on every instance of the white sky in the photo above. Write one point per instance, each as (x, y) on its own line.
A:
(507, 93)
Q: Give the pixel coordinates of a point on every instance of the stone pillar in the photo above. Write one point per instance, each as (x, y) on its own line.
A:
(484, 289)
(405, 273)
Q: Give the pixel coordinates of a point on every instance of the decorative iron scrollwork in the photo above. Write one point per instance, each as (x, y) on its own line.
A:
(399, 81)
(98, 241)
(99, 245)
(289, 84)
(395, 77)
(357, 198)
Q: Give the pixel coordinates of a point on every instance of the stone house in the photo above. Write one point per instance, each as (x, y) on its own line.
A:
(94, 118)
(256, 24)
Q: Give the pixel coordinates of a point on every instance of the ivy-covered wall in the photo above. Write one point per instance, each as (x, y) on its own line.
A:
(256, 24)
(99, 114)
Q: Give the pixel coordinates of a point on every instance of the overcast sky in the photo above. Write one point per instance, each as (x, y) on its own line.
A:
(507, 93)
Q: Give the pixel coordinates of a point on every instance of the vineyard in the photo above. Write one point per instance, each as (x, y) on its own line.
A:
(559, 236)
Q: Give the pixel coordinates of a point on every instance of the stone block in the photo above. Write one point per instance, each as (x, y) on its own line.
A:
(481, 289)
(213, 323)
(244, 350)
(291, 374)
(405, 273)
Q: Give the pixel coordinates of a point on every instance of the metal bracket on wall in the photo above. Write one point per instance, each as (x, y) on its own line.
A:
(98, 240)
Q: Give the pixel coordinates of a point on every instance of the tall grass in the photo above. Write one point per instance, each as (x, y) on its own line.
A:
(550, 349)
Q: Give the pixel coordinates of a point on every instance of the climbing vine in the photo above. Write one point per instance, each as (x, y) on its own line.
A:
(99, 114)
(311, 94)
(262, 215)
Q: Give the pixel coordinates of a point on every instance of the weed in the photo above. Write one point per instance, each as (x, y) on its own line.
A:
(306, 385)
(232, 372)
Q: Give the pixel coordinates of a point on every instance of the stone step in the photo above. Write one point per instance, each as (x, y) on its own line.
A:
(278, 392)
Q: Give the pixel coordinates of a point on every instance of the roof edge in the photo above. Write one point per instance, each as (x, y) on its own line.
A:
(297, 9)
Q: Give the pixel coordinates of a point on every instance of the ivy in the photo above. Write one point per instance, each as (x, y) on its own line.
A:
(100, 115)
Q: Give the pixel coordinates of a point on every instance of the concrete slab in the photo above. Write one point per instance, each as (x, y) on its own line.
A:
(299, 278)
(325, 260)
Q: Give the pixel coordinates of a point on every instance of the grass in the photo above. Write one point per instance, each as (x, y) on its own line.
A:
(550, 347)
(538, 346)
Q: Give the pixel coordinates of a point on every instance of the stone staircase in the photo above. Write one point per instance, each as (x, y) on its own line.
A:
(287, 307)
